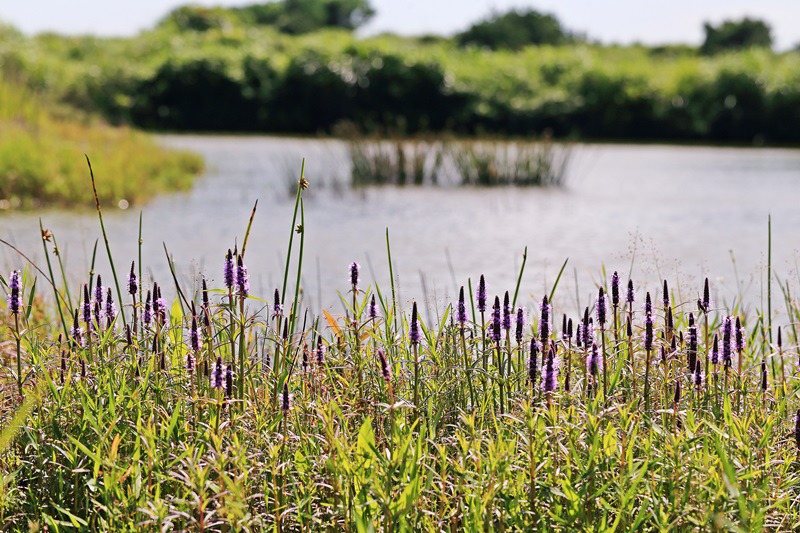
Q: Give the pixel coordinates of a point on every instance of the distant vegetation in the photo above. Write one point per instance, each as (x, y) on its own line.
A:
(251, 69)
(42, 149)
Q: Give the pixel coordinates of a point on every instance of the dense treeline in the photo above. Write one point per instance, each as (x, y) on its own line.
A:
(257, 78)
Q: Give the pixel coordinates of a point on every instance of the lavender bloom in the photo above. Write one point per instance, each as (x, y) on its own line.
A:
(320, 351)
(691, 339)
(87, 306)
(218, 375)
(14, 293)
(277, 307)
(588, 330)
(727, 327)
(194, 336)
(147, 315)
(494, 332)
(229, 273)
(740, 344)
(133, 283)
(544, 321)
(111, 310)
(373, 308)
(506, 312)
(594, 362)
(630, 296)
(715, 350)
(355, 268)
(285, 398)
(76, 332)
(615, 289)
(413, 329)
(706, 302)
(534, 352)
(648, 323)
(461, 309)
(387, 377)
(229, 382)
(600, 307)
(482, 294)
(520, 324)
(550, 372)
(242, 283)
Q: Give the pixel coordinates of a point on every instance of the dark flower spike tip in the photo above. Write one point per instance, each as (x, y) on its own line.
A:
(413, 329)
(481, 296)
(133, 282)
(615, 289)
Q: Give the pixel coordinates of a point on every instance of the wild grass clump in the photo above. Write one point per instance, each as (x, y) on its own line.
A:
(439, 161)
(42, 162)
(221, 410)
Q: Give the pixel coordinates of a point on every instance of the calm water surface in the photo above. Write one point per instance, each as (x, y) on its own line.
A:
(667, 211)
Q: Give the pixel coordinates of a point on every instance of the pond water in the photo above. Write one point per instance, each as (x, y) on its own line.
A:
(678, 212)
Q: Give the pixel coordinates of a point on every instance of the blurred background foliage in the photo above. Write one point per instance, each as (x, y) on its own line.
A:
(297, 66)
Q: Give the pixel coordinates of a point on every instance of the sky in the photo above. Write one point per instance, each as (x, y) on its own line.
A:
(610, 21)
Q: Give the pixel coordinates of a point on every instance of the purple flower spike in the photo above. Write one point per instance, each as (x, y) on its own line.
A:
(550, 373)
(285, 399)
(763, 375)
(727, 331)
(482, 294)
(797, 429)
(706, 303)
(579, 334)
(587, 330)
(355, 268)
(218, 375)
(242, 279)
(385, 372)
(111, 310)
(159, 303)
(520, 323)
(630, 296)
(615, 289)
(600, 307)
(740, 344)
(194, 336)
(228, 270)
(373, 308)
(715, 350)
(461, 310)
(648, 323)
(133, 283)
(190, 362)
(697, 376)
(14, 293)
(277, 306)
(229, 381)
(544, 322)
(98, 291)
(532, 364)
(691, 343)
(413, 329)
(320, 352)
(76, 332)
(506, 312)
(494, 333)
(594, 362)
(147, 315)
(87, 305)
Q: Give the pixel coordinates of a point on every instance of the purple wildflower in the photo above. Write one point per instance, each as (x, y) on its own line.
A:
(587, 330)
(218, 375)
(277, 307)
(550, 371)
(544, 322)
(320, 351)
(520, 324)
(706, 302)
(98, 291)
(461, 309)
(579, 334)
(242, 279)
(494, 332)
(355, 268)
(14, 293)
(194, 336)
(763, 375)
(76, 332)
(727, 327)
(159, 304)
(630, 296)
(190, 362)
(87, 306)
(715, 350)
(697, 376)
(740, 343)
(594, 362)
(569, 329)
(676, 399)
(387, 377)
(229, 273)
(482, 294)
(229, 381)
(600, 307)
(797, 429)
(111, 310)
(285, 399)
(506, 312)
(615, 289)
(373, 308)
(665, 295)
(147, 315)
(691, 339)
(413, 329)
(532, 364)
(648, 323)
(133, 283)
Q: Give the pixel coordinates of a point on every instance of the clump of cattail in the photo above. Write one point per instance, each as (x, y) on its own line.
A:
(413, 330)
(481, 296)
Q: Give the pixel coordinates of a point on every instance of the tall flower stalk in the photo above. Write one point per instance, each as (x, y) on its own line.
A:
(15, 307)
